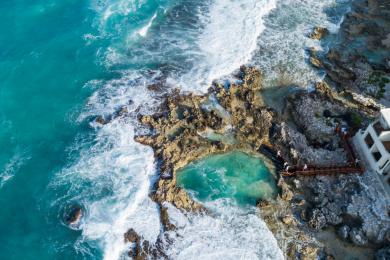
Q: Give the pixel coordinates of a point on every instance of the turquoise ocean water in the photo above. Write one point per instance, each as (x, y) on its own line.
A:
(44, 63)
(64, 62)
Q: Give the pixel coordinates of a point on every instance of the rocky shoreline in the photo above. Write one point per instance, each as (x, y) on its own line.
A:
(305, 205)
(309, 214)
(184, 123)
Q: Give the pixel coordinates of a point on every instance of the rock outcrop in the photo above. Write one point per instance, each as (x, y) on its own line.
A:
(142, 249)
(319, 33)
(180, 131)
(359, 64)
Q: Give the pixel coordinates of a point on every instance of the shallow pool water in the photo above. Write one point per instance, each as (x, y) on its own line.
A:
(234, 175)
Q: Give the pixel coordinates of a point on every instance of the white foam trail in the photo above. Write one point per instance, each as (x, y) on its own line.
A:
(113, 175)
(11, 168)
(144, 30)
(231, 233)
(228, 40)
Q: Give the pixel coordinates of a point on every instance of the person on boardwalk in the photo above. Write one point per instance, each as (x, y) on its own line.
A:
(337, 129)
(305, 167)
(357, 162)
(279, 154)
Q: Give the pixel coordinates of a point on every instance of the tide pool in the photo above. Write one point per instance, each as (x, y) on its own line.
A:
(64, 62)
(234, 175)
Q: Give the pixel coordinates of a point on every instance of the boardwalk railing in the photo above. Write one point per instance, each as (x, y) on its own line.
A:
(328, 170)
(352, 167)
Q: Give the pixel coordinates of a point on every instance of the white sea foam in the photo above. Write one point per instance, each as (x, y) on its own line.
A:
(281, 52)
(229, 233)
(113, 174)
(228, 40)
(144, 30)
(11, 168)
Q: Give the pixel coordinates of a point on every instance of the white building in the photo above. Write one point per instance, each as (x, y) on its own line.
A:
(375, 143)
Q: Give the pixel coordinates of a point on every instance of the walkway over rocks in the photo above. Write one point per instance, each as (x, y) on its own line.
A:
(328, 170)
(353, 165)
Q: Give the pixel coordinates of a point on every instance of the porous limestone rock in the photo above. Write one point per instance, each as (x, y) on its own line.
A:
(319, 33)
(177, 129)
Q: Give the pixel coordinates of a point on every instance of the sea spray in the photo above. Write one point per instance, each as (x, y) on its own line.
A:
(193, 44)
(113, 177)
(228, 40)
(229, 232)
(48, 161)
(281, 51)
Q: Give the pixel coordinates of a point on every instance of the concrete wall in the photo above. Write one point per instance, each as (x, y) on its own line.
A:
(379, 166)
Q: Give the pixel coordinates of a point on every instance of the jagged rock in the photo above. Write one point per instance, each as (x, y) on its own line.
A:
(74, 217)
(366, 101)
(343, 232)
(132, 236)
(300, 202)
(357, 237)
(288, 219)
(100, 120)
(309, 253)
(182, 117)
(297, 183)
(165, 219)
(286, 193)
(317, 219)
(307, 110)
(315, 62)
(122, 111)
(263, 203)
(314, 59)
(304, 215)
(142, 249)
(156, 87)
(319, 33)
(332, 212)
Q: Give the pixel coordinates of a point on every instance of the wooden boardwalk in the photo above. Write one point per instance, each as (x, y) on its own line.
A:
(350, 168)
(327, 170)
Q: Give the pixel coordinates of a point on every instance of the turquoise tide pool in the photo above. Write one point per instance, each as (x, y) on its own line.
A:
(234, 175)
(65, 62)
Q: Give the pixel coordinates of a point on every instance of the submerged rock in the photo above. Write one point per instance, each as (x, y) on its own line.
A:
(74, 216)
(100, 120)
(142, 249)
(132, 236)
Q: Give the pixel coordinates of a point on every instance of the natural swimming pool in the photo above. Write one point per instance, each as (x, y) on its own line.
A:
(234, 175)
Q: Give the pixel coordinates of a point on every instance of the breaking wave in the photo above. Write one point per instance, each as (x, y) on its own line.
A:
(186, 44)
